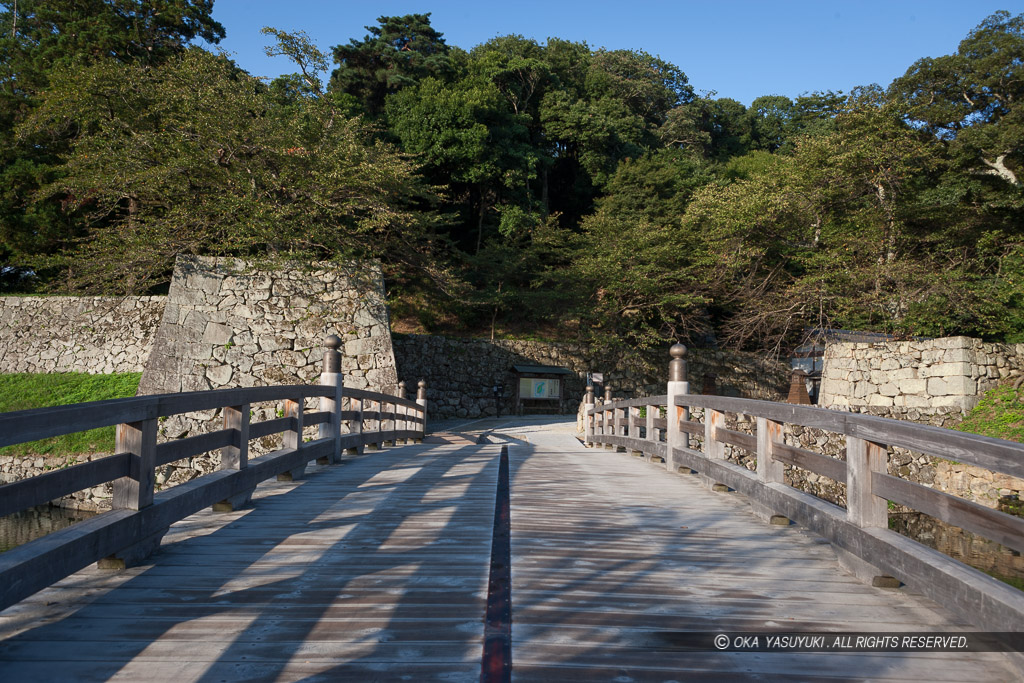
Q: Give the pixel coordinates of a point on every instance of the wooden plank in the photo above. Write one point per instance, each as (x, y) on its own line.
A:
(317, 418)
(335, 573)
(258, 430)
(43, 488)
(691, 427)
(171, 451)
(30, 425)
(972, 595)
(812, 462)
(610, 562)
(747, 442)
(993, 524)
(379, 397)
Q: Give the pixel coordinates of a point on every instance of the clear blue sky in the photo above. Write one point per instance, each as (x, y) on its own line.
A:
(738, 48)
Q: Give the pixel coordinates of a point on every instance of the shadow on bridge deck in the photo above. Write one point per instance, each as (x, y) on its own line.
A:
(377, 570)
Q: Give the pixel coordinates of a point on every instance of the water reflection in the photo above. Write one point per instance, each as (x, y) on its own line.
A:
(1003, 563)
(27, 525)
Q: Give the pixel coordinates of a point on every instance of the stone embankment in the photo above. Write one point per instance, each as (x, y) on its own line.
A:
(951, 372)
(97, 335)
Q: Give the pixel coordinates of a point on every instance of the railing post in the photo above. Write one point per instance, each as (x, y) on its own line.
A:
(632, 414)
(607, 417)
(651, 431)
(588, 420)
(373, 442)
(678, 386)
(403, 411)
(769, 470)
(390, 424)
(356, 426)
(421, 400)
(863, 507)
(332, 377)
(235, 456)
(135, 491)
(293, 437)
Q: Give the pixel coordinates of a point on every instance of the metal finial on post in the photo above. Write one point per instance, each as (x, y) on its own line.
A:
(401, 389)
(677, 366)
(607, 394)
(589, 397)
(332, 357)
(421, 391)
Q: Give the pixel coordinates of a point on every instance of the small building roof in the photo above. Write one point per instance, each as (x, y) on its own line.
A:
(541, 370)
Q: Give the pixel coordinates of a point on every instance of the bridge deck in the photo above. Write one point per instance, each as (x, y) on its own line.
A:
(377, 569)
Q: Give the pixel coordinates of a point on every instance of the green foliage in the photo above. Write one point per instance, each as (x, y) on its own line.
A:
(195, 157)
(397, 54)
(29, 391)
(999, 414)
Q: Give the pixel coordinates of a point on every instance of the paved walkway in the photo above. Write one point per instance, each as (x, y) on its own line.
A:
(377, 570)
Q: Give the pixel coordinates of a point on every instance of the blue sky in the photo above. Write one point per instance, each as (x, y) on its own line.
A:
(738, 48)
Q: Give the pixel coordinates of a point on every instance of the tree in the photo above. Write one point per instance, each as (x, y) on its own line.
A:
(399, 53)
(973, 97)
(193, 156)
(39, 38)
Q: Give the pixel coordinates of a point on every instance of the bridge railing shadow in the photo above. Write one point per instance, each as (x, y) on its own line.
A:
(348, 420)
(389, 554)
(661, 428)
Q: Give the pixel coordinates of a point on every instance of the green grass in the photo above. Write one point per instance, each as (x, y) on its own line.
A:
(999, 414)
(27, 391)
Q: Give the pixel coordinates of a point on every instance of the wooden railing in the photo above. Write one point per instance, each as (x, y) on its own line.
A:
(140, 515)
(661, 428)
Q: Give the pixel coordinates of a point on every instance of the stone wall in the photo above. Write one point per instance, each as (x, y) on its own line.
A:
(461, 373)
(227, 324)
(97, 335)
(898, 378)
(230, 325)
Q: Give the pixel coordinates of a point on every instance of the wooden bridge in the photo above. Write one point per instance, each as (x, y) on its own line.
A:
(511, 550)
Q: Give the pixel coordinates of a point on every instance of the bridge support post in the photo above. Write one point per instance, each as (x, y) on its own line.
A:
(235, 456)
(588, 419)
(332, 377)
(421, 400)
(293, 438)
(678, 386)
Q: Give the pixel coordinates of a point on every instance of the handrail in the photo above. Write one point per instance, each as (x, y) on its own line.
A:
(140, 515)
(861, 529)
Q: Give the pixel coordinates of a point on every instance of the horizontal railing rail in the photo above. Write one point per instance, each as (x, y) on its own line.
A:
(861, 528)
(140, 515)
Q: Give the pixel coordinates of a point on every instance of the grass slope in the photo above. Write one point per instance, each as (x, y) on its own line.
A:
(999, 414)
(27, 391)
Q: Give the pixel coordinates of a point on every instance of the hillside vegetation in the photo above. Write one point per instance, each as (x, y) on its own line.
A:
(516, 185)
(999, 414)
